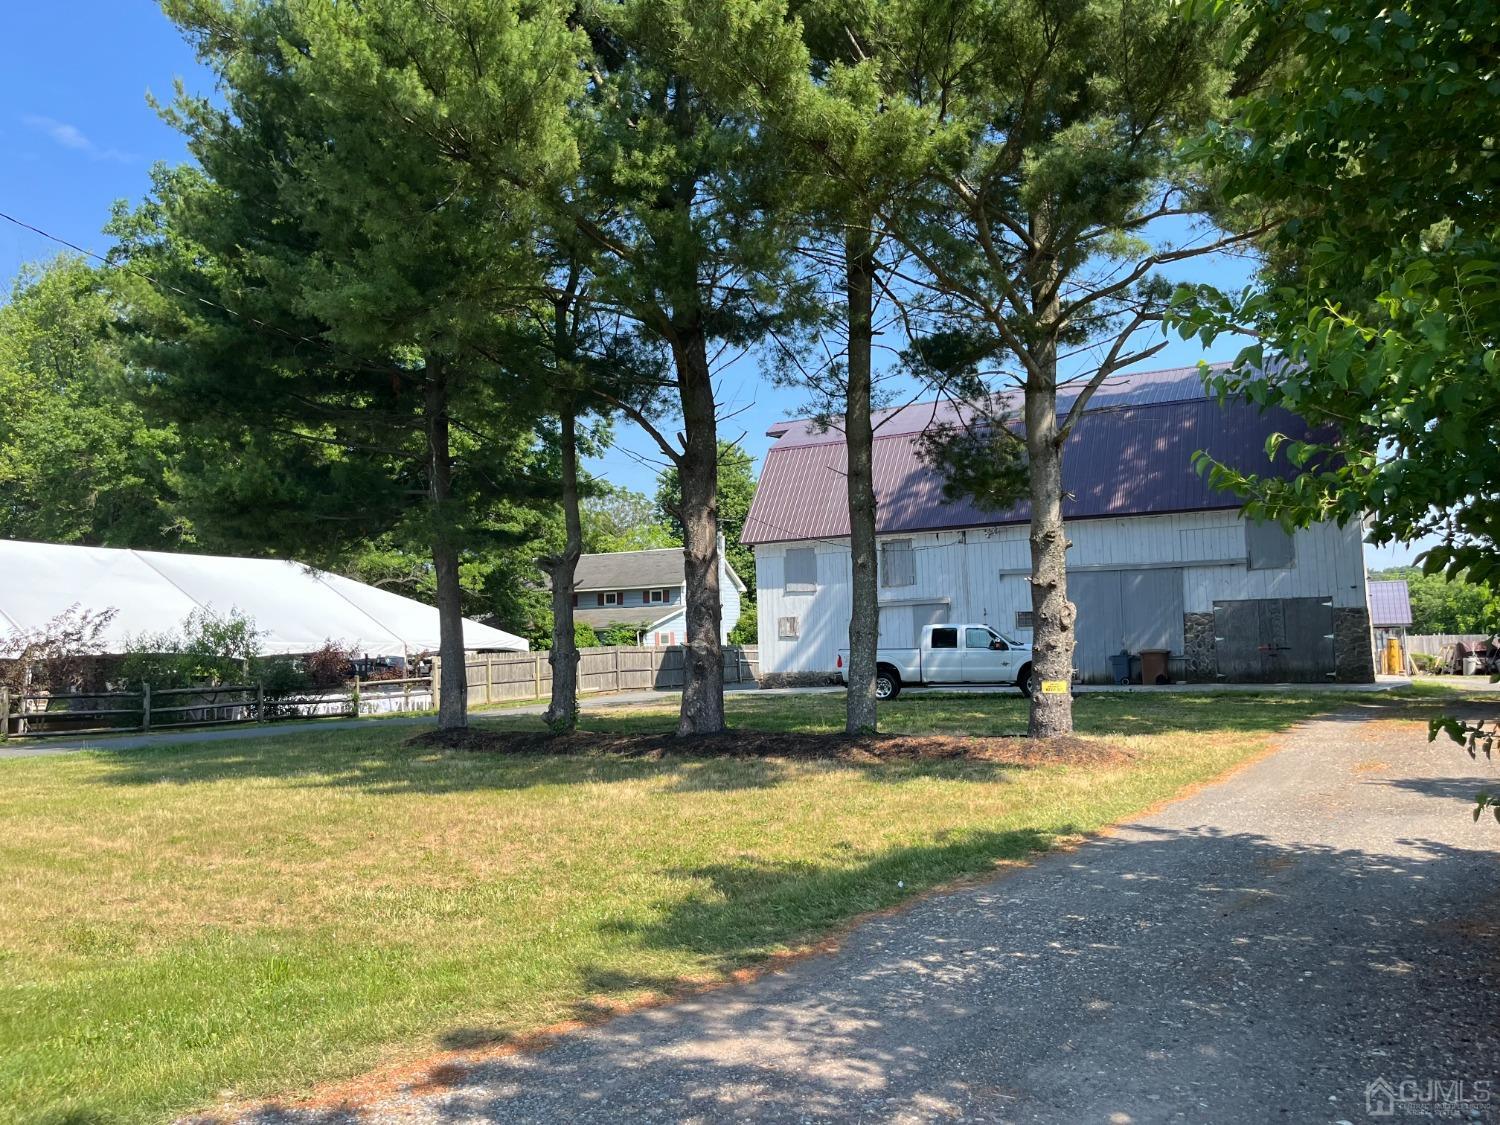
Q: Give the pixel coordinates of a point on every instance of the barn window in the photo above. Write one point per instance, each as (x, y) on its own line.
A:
(801, 571)
(788, 628)
(1025, 619)
(898, 565)
(1268, 546)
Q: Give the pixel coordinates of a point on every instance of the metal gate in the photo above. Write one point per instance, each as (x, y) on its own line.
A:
(1264, 640)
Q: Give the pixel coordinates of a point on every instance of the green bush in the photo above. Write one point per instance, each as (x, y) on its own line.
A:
(627, 635)
(745, 630)
(208, 649)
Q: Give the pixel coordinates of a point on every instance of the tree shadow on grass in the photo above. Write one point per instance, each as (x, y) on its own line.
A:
(380, 762)
(397, 769)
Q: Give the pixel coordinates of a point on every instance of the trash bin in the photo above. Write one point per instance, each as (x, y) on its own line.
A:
(1154, 665)
(1471, 666)
(1119, 667)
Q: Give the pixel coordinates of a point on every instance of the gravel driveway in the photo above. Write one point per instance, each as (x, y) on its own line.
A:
(1262, 951)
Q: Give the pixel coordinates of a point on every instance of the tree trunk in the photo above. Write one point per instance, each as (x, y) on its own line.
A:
(1053, 615)
(703, 686)
(562, 711)
(864, 619)
(453, 704)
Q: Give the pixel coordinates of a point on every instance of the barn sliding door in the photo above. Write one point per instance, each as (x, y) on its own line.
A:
(1126, 610)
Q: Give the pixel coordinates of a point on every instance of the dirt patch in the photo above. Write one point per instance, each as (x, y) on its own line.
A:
(779, 744)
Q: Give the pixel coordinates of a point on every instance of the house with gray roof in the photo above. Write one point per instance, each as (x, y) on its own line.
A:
(645, 590)
(1159, 560)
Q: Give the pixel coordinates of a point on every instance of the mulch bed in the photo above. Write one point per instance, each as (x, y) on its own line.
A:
(778, 744)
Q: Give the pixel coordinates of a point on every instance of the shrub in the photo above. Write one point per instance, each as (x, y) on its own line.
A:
(55, 655)
(626, 635)
(328, 667)
(209, 649)
(746, 630)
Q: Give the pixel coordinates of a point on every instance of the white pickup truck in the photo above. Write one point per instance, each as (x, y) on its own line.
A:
(951, 654)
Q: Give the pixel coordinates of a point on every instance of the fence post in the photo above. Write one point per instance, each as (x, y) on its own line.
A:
(616, 651)
(145, 706)
(405, 690)
(489, 676)
(437, 682)
(354, 698)
(536, 676)
(4, 713)
(260, 703)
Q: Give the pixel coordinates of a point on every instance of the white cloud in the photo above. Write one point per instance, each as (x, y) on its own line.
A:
(72, 137)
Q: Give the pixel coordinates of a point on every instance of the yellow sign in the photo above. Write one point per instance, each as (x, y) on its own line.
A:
(1054, 687)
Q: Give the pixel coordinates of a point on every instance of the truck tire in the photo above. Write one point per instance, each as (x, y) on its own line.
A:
(1026, 682)
(887, 682)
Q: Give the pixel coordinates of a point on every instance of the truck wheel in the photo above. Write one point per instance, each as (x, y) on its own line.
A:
(1027, 681)
(887, 682)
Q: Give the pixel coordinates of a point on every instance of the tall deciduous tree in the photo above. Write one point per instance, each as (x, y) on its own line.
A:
(1379, 311)
(79, 461)
(1059, 193)
(341, 281)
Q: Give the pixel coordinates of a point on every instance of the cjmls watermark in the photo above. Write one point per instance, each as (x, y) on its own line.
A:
(1449, 1098)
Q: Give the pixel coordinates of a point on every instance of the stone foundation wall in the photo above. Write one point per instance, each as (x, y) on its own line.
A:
(1353, 659)
(1200, 654)
(797, 679)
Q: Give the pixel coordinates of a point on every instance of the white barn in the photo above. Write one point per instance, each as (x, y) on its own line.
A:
(1158, 559)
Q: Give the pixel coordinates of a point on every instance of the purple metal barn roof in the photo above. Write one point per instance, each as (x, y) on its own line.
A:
(1390, 603)
(1131, 454)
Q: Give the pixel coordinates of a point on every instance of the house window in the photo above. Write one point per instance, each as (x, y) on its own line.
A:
(611, 597)
(656, 597)
(1025, 619)
(898, 564)
(945, 638)
(788, 628)
(1268, 546)
(665, 639)
(801, 571)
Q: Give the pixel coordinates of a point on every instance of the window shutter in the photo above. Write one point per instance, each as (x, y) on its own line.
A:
(898, 563)
(1268, 546)
(801, 571)
(600, 596)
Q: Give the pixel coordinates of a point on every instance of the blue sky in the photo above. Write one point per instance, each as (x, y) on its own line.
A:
(76, 134)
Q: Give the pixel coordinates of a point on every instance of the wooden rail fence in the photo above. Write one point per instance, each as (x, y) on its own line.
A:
(496, 677)
(37, 715)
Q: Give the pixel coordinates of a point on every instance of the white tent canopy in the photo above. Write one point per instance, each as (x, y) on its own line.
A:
(296, 608)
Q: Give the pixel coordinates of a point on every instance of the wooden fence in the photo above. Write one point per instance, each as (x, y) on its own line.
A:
(493, 678)
(113, 712)
(1433, 644)
(500, 677)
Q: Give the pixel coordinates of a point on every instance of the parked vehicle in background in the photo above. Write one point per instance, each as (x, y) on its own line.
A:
(970, 653)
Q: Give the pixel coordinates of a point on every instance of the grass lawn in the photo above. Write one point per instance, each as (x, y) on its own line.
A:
(247, 918)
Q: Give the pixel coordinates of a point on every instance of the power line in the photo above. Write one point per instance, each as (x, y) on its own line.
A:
(169, 287)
